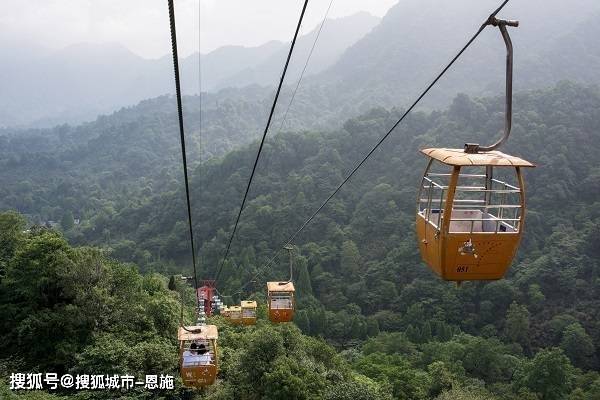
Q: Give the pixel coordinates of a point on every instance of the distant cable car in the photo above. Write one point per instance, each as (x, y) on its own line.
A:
(199, 361)
(471, 202)
(248, 312)
(235, 315)
(225, 312)
(281, 295)
(281, 301)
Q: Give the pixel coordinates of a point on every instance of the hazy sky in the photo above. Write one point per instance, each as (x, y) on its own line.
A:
(142, 25)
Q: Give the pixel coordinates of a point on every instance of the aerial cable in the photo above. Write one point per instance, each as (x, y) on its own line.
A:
(304, 69)
(262, 142)
(488, 21)
(182, 139)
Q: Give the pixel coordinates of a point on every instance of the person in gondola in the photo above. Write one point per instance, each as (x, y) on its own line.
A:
(203, 357)
(190, 357)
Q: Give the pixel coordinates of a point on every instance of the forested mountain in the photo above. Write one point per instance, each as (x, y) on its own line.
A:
(356, 65)
(94, 242)
(416, 38)
(80, 82)
(73, 310)
(76, 83)
(226, 61)
(374, 71)
(129, 152)
(336, 36)
(401, 333)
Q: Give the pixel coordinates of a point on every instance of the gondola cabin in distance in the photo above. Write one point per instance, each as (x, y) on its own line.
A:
(470, 213)
(248, 312)
(281, 301)
(198, 354)
(225, 312)
(235, 315)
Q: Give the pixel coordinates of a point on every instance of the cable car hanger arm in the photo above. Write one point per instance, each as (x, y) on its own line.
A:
(501, 24)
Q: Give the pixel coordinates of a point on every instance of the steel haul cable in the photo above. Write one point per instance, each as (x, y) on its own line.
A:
(381, 140)
(182, 139)
(312, 49)
(262, 142)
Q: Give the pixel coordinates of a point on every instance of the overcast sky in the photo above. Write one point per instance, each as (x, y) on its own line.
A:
(142, 25)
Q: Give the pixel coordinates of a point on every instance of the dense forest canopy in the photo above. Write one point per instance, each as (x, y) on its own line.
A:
(372, 321)
(95, 258)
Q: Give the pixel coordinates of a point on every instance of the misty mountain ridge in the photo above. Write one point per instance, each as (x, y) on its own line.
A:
(417, 38)
(382, 64)
(82, 81)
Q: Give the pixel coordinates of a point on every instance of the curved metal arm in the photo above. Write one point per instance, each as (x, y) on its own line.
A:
(290, 248)
(501, 24)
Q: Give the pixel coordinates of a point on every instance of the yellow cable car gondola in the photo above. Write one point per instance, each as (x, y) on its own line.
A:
(235, 315)
(248, 312)
(471, 202)
(281, 295)
(469, 223)
(281, 300)
(199, 361)
(225, 312)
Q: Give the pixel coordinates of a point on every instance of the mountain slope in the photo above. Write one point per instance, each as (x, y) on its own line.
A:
(337, 35)
(42, 88)
(414, 41)
(220, 64)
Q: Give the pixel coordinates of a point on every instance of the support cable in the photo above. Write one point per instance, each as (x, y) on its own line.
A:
(381, 140)
(304, 69)
(182, 139)
(262, 142)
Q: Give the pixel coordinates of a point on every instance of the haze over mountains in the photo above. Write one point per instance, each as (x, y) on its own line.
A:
(417, 38)
(44, 88)
(360, 62)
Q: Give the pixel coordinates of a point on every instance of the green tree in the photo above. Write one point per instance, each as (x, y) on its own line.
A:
(302, 321)
(517, 324)
(67, 222)
(360, 388)
(536, 297)
(426, 332)
(372, 327)
(303, 284)
(466, 394)
(11, 228)
(350, 259)
(577, 345)
(441, 377)
(172, 285)
(407, 382)
(550, 374)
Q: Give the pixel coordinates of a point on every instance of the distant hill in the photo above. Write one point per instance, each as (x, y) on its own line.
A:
(337, 35)
(360, 62)
(42, 88)
(227, 61)
(417, 38)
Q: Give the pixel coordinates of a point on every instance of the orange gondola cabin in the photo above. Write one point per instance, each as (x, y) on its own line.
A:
(470, 213)
(198, 355)
(235, 315)
(248, 312)
(281, 301)
(224, 312)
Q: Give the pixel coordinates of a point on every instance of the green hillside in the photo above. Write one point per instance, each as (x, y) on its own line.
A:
(390, 328)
